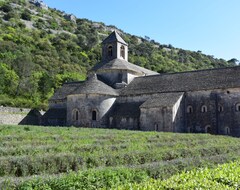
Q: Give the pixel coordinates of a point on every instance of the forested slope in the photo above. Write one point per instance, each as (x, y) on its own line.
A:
(42, 48)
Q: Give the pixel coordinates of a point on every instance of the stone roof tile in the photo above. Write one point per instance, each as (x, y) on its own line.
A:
(185, 81)
(94, 86)
(121, 64)
(114, 37)
(162, 100)
(65, 90)
(90, 86)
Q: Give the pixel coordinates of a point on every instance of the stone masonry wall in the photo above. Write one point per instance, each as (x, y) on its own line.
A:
(12, 116)
(22, 116)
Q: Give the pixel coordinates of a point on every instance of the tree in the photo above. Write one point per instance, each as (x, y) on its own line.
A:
(8, 80)
(233, 61)
(26, 15)
(9, 15)
(6, 8)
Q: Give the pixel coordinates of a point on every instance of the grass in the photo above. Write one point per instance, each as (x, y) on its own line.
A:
(32, 157)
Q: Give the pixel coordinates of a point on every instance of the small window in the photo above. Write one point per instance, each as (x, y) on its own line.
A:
(122, 52)
(204, 109)
(189, 109)
(94, 115)
(75, 115)
(227, 130)
(110, 51)
(237, 107)
(220, 108)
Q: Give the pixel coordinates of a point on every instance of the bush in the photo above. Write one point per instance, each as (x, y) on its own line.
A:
(6, 8)
(26, 15)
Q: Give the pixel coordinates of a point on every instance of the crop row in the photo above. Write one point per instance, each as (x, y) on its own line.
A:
(135, 177)
(95, 148)
(226, 176)
(49, 163)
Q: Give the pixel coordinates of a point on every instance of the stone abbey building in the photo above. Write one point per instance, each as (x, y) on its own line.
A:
(119, 94)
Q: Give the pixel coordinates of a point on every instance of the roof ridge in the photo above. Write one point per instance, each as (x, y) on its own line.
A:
(194, 71)
(114, 37)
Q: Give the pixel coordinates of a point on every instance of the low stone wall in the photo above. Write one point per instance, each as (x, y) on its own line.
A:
(15, 116)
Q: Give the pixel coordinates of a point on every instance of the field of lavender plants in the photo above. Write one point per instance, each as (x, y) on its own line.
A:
(35, 157)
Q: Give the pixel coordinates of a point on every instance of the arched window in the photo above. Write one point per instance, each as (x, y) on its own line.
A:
(237, 107)
(110, 51)
(75, 115)
(220, 108)
(189, 109)
(208, 129)
(227, 130)
(122, 53)
(204, 109)
(94, 115)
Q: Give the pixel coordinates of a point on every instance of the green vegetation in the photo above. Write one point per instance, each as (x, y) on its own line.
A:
(226, 176)
(34, 157)
(40, 50)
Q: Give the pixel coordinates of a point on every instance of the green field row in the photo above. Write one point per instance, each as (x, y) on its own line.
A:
(35, 156)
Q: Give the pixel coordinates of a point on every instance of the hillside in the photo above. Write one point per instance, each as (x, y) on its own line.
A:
(41, 48)
(35, 157)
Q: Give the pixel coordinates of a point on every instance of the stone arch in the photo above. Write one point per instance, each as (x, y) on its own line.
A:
(237, 107)
(189, 109)
(75, 114)
(208, 129)
(204, 109)
(227, 131)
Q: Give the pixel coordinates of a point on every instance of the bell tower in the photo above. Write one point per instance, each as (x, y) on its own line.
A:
(114, 47)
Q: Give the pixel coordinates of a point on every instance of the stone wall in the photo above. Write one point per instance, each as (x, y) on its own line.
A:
(85, 105)
(15, 116)
(221, 115)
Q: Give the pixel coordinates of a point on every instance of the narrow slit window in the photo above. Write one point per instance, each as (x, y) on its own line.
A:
(227, 131)
(123, 52)
(110, 51)
(220, 108)
(76, 116)
(94, 115)
(189, 109)
(204, 109)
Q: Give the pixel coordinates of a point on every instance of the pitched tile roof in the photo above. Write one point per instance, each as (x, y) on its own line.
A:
(120, 64)
(65, 90)
(185, 81)
(114, 37)
(90, 86)
(94, 86)
(162, 100)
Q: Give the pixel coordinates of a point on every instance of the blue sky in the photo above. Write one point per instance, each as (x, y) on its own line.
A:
(211, 26)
